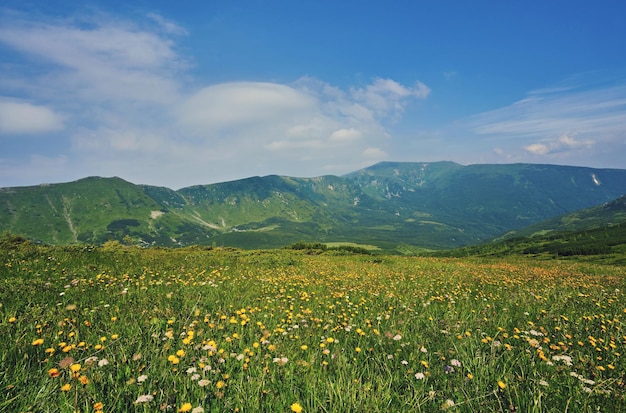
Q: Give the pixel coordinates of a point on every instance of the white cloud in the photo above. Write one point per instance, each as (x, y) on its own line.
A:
(374, 153)
(537, 149)
(128, 112)
(570, 122)
(563, 144)
(168, 25)
(385, 97)
(238, 105)
(102, 60)
(25, 118)
(345, 135)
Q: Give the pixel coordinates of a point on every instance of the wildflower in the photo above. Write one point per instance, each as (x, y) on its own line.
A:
(358, 349)
(296, 408)
(98, 406)
(145, 398)
(419, 376)
(455, 363)
(543, 383)
(424, 363)
(66, 387)
(75, 368)
(203, 382)
(37, 342)
(448, 404)
(397, 337)
(186, 407)
(470, 376)
(180, 353)
(281, 360)
(448, 369)
(304, 347)
(83, 380)
(198, 409)
(220, 384)
(501, 384)
(142, 378)
(91, 360)
(53, 372)
(103, 362)
(12, 320)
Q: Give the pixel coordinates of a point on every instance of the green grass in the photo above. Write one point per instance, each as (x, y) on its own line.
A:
(231, 330)
(351, 244)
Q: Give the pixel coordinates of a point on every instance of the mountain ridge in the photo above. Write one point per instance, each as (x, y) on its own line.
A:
(434, 205)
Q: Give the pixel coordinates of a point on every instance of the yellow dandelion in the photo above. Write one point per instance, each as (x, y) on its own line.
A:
(98, 406)
(501, 384)
(186, 407)
(296, 408)
(12, 320)
(74, 368)
(37, 342)
(66, 387)
(220, 384)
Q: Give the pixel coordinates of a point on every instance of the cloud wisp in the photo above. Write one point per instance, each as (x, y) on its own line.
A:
(559, 123)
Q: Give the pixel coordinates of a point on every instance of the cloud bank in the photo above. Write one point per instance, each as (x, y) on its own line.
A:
(131, 108)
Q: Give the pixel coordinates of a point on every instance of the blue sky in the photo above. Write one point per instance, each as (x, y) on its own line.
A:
(183, 93)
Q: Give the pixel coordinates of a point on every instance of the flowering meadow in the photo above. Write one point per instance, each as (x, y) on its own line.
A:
(209, 330)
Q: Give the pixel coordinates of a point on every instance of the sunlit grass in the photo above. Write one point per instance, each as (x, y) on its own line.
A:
(196, 330)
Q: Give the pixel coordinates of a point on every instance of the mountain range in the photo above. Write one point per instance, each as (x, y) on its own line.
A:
(389, 205)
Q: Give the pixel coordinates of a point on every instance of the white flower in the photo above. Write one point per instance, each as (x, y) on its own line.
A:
(198, 409)
(419, 376)
(455, 363)
(397, 337)
(103, 362)
(142, 378)
(281, 360)
(203, 382)
(146, 398)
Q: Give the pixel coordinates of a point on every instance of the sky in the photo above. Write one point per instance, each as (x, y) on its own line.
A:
(197, 92)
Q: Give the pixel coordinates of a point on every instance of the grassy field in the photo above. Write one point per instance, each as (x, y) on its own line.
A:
(129, 330)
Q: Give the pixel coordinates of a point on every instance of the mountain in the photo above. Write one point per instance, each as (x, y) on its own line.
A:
(428, 205)
(598, 232)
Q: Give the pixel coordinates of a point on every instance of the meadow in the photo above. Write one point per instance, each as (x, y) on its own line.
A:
(95, 329)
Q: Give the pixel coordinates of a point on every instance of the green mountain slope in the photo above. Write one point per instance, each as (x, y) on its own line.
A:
(430, 205)
(596, 231)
